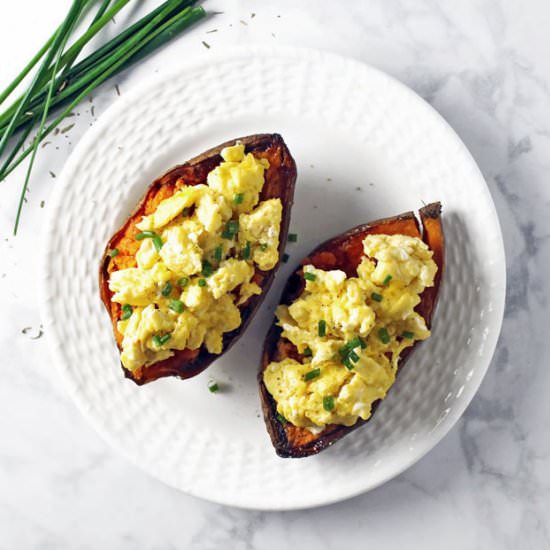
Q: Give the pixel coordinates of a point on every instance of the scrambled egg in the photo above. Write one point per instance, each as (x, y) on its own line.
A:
(350, 333)
(196, 261)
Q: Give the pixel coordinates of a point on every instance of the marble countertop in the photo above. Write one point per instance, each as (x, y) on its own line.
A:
(485, 67)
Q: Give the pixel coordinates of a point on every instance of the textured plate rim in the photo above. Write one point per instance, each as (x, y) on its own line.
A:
(330, 59)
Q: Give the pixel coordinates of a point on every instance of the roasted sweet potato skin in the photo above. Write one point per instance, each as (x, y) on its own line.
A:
(344, 252)
(280, 179)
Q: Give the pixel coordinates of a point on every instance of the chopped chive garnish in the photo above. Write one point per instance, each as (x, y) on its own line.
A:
(356, 342)
(343, 351)
(322, 327)
(166, 289)
(387, 280)
(206, 268)
(376, 297)
(231, 229)
(183, 282)
(218, 251)
(246, 251)
(384, 335)
(160, 340)
(238, 198)
(285, 258)
(176, 305)
(347, 363)
(312, 374)
(213, 386)
(353, 356)
(157, 241)
(310, 276)
(113, 252)
(263, 247)
(186, 211)
(292, 237)
(202, 282)
(281, 419)
(328, 402)
(126, 312)
(408, 334)
(307, 352)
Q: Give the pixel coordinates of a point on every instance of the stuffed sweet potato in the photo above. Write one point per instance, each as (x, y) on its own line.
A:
(185, 273)
(348, 320)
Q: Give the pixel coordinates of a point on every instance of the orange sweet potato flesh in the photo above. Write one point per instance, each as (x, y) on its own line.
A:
(344, 252)
(280, 179)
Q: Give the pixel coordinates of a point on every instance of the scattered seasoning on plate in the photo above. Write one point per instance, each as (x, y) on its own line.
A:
(310, 276)
(322, 327)
(213, 386)
(387, 280)
(408, 334)
(292, 237)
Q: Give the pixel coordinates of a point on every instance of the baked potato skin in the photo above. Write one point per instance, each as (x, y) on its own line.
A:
(280, 180)
(344, 252)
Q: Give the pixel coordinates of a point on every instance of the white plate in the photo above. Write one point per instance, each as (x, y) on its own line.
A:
(366, 147)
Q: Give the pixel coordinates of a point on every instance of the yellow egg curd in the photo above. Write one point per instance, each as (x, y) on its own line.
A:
(350, 332)
(195, 264)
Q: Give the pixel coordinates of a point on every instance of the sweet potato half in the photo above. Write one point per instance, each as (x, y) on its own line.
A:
(343, 252)
(280, 178)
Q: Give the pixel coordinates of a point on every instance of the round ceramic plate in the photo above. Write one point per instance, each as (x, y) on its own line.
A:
(366, 147)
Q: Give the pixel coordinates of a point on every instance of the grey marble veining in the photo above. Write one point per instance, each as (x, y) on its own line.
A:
(484, 66)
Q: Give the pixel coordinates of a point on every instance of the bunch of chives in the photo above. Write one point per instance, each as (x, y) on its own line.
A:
(60, 84)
